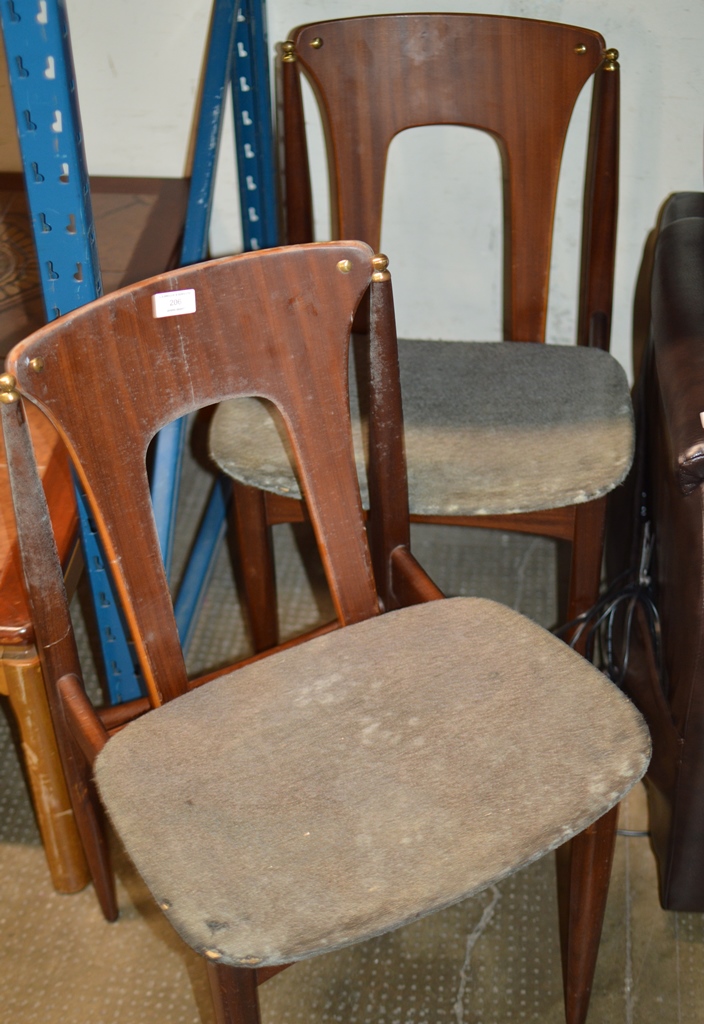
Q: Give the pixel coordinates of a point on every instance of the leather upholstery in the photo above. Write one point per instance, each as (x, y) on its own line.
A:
(670, 470)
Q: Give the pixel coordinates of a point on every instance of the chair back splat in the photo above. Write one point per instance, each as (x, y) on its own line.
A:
(376, 77)
(128, 369)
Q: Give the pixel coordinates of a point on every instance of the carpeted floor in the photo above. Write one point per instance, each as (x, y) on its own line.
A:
(490, 960)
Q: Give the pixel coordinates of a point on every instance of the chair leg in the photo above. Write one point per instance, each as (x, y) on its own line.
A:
(21, 678)
(256, 555)
(69, 812)
(587, 554)
(91, 823)
(584, 864)
(583, 873)
(234, 993)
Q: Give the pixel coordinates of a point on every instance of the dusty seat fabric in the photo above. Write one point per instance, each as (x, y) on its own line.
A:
(316, 798)
(490, 427)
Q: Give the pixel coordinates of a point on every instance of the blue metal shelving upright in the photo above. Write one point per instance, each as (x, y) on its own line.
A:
(237, 56)
(43, 83)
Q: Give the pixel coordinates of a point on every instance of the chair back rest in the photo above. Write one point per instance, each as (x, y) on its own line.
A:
(274, 324)
(515, 78)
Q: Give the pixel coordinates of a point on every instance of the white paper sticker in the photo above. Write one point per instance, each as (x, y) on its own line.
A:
(174, 303)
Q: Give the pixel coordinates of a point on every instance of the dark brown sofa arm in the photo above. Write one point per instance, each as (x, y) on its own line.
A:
(678, 334)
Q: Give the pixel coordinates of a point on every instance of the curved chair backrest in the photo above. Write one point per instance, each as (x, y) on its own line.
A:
(515, 78)
(110, 375)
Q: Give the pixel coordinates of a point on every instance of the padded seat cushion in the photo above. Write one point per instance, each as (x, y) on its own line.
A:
(491, 427)
(363, 779)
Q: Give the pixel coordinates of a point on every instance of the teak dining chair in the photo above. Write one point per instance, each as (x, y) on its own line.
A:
(344, 786)
(521, 437)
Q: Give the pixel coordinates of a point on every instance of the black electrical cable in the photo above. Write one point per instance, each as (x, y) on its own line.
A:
(614, 614)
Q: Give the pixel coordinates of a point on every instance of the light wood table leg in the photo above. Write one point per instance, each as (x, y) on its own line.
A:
(21, 680)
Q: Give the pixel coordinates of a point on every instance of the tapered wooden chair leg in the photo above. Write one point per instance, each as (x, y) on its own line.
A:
(585, 571)
(21, 679)
(584, 864)
(583, 873)
(91, 824)
(257, 565)
(234, 993)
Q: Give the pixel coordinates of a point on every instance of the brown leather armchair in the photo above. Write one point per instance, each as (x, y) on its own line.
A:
(667, 489)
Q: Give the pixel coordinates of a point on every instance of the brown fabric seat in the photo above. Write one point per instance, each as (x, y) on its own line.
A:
(327, 798)
(489, 428)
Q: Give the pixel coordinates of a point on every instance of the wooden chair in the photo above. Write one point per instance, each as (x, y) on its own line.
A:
(526, 437)
(518, 437)
(339, 788)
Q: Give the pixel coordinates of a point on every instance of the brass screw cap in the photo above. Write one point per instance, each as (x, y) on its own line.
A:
(8, 389)
(611, 60)
(380, 262)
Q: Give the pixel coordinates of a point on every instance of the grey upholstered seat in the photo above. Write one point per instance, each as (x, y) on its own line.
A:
(316, 798)
(490, 428)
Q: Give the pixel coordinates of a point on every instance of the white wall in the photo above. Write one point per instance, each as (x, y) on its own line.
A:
(137, 68)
